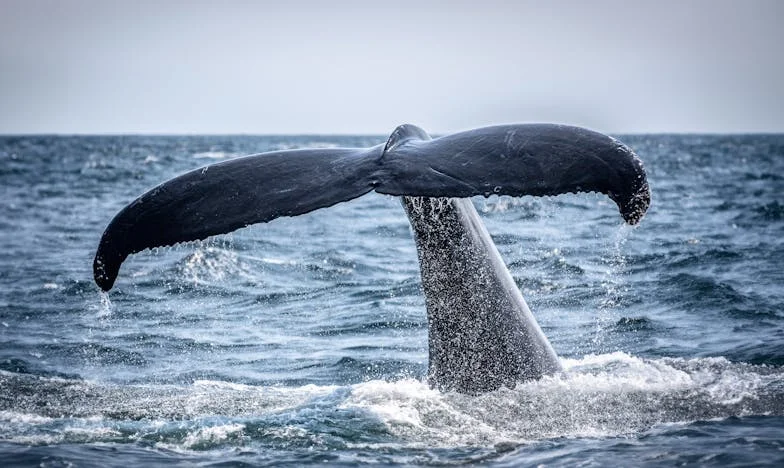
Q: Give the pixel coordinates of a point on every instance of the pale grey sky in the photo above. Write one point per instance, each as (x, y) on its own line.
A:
(365, 66)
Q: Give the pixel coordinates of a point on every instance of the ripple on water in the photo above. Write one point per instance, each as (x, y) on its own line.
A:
(304, 339)
(642, 393)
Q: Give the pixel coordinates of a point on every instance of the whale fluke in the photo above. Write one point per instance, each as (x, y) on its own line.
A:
(517, 160)
(226, 196)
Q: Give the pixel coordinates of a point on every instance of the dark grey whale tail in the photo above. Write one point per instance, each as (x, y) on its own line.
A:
(535, 159)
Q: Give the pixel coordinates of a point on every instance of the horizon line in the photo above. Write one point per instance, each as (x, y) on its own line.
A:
(343, 134)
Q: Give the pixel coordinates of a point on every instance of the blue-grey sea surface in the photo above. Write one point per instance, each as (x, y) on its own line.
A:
(304, 340)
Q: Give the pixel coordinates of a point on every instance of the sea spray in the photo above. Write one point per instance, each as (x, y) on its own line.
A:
(613, 284)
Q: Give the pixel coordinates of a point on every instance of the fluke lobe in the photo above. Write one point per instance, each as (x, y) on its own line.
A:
(481, 333)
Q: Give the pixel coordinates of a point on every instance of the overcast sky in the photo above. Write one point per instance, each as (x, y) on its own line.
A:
(364, 67)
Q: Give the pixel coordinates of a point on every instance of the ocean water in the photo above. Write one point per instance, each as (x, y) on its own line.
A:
(304, 340)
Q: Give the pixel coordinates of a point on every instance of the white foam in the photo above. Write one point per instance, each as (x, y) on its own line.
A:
(618, 372)
(420, 415)
(394, 402)
(595, 396)
(309, 144)
(89, 433)
(208, 264)
(105, 307)
(277, 261)
(220, 384)
(23, 418)
(213, 155)
(212, 434)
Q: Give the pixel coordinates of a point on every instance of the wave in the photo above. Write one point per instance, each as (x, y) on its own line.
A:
(595, 396)
(214, 155)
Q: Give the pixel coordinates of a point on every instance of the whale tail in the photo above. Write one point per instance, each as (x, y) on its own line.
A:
(229, 195)
(517, 160)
